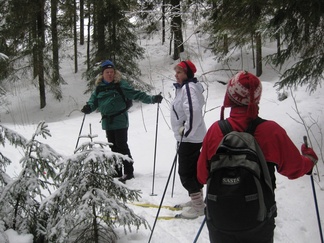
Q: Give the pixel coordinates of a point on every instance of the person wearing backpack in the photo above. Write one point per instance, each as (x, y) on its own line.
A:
(112, 99)
(189, 130)
(243, 94)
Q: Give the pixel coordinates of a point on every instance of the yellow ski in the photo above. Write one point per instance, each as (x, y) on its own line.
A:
(150, 205)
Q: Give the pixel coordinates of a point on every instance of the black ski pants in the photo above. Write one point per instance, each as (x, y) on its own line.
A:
(119, 138)
(188, 157)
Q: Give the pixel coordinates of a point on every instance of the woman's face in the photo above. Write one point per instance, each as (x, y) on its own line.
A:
(108, 74)
(180, 75)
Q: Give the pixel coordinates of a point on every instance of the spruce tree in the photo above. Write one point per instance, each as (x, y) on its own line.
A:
(22, 38)
(8, 135)
(21, 196)
(301, 28)
(89, 202)
(236, 24)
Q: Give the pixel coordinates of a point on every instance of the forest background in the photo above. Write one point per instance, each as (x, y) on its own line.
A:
(33, 34)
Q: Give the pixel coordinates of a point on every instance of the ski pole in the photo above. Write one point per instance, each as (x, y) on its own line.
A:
(156, 132)
(165, 189)
(317, 211)
(174, 175)
(200, 229)
(77, 143)
(315, 198)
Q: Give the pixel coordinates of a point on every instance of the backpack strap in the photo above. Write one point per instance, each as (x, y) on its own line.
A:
(226, 127)
(116, 87)
(253, 125)
(103, 89)
(120, 91)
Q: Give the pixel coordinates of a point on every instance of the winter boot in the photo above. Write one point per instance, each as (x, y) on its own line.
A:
(183, 205)
(126, 177)
(197, 207)
(186, 204)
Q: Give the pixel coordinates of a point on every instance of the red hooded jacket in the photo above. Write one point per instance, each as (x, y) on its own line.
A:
(272, 138)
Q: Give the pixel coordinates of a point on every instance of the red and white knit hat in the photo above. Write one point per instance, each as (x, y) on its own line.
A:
(244, 89)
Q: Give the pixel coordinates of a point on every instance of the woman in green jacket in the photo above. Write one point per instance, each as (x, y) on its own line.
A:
(111, 98)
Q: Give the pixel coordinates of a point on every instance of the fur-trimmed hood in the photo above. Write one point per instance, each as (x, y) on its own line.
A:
(117, 78)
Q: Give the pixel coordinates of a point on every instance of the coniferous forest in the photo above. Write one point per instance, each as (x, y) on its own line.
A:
(33, 34)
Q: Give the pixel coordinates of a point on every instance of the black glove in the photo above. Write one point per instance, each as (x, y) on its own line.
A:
(157, 98)
(86, 109)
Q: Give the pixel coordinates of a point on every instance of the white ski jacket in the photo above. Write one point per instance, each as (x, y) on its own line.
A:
(186, 111)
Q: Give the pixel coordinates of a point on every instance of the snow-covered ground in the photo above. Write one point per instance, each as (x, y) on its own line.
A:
(297, 219)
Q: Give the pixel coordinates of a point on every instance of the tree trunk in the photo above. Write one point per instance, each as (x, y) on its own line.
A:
(55, 44)
(253, 52)
(225, 44)
(89, 36)
(258, 43)
(75, 36)
(100, 30)
(176, 27)
(40, 46)
(163, 22)
(33, 38)
(95, 224)
(278, 44)
(170, 45)
(82, 22)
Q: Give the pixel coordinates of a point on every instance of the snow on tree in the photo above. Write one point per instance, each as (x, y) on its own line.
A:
(4, 177)
(13, 137)
(3, 236)
(20, 197)
(89, 202)
(3, 56)
(7, 135)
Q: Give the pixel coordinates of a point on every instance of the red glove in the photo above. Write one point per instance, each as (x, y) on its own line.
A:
(309, 152)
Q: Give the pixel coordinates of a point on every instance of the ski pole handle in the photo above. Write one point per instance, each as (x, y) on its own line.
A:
(305, 141)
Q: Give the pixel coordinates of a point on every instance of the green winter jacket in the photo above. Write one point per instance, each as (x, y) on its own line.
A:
(109, 102)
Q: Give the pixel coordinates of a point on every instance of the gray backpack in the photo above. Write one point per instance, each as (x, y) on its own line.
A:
(239, 188)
